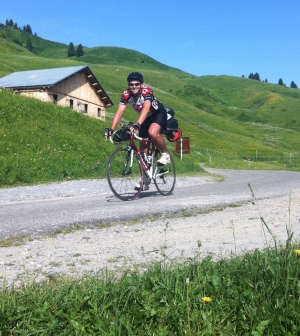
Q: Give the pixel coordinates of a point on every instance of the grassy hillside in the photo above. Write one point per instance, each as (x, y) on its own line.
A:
(44, 142)
(232, 122)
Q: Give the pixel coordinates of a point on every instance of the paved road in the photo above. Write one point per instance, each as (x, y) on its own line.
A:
(42, 210)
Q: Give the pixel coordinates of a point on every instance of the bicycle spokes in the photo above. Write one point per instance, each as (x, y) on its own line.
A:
(124, 174)
(165, 177)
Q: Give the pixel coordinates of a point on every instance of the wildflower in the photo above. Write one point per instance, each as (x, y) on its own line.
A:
(206, 299)
(298, 252)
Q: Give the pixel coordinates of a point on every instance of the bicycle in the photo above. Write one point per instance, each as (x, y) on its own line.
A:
(128, 168)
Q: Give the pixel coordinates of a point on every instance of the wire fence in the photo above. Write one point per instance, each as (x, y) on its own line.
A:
(290, 160)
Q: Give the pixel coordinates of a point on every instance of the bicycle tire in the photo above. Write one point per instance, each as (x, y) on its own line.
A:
(165, 183)
(122, 177)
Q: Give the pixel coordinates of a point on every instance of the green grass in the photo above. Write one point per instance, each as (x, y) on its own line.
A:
(43, 142)
(254, 294)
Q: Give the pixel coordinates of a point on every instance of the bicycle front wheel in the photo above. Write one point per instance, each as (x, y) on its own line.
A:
(124, 174)
(165, 177)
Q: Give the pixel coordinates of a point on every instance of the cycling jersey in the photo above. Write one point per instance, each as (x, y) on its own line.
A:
(146, 94)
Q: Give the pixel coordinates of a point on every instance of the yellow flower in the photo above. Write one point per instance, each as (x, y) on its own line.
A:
(298, 252)
(206, 299)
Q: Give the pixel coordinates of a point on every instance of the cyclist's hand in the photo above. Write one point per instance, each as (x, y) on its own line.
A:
(135, 127)
(108, 132)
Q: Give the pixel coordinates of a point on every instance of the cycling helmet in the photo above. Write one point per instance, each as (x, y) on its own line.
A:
(135, 75)
(173, 136)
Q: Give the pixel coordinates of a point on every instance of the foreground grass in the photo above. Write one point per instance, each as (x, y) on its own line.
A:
(254, 294)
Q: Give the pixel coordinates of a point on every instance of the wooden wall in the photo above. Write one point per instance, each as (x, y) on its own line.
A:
(75, 90)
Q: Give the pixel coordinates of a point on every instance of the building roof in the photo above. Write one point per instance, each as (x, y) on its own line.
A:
(42, 78)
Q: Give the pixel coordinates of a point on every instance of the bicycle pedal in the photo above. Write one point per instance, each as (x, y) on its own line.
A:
(160, 164)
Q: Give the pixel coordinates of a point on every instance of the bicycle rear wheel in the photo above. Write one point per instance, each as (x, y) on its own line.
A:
(165, 177)
(124, 173)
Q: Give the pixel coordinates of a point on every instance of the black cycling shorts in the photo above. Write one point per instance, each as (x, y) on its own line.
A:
(159, 118)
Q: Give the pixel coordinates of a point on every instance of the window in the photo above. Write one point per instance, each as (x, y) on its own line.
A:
(69, 103)
(54, 98)
(99, 112)
(85, 108)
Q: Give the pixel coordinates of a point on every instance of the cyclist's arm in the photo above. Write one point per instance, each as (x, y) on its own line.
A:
(118, 115)
(144, 112)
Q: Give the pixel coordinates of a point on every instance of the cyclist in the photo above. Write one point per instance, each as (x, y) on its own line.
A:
(152, 114)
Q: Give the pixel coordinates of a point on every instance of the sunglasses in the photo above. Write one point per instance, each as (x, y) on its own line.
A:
(134, 84)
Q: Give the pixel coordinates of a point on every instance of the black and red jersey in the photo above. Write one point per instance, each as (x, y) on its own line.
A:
(146, 94)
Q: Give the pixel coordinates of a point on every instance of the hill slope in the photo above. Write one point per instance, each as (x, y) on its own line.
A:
(232, 122)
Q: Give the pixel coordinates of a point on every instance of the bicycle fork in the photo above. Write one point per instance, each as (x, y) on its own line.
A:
(127, 169)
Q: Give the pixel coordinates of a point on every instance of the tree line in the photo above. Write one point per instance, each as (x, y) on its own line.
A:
(71, 49)
(256, 76)
(12, 24)
(78, 52)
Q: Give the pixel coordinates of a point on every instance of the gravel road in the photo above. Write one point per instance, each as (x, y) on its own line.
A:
(130, 242)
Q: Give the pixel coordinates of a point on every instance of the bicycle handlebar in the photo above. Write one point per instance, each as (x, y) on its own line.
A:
(139, 138)
(134, 135)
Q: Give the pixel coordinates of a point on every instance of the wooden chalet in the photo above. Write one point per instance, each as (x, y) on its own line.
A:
(74, 87)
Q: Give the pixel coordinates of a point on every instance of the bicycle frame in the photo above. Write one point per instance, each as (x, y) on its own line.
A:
(154, 149)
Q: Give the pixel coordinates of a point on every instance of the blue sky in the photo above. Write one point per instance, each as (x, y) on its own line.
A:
(211, 37)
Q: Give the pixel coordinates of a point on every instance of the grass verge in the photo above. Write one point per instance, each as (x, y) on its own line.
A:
(253, 294)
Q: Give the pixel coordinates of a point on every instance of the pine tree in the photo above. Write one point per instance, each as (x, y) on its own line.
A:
(79, 51)
(27, 29)
(251, 76)
(71, 50)
(9, 23)
(29, 45)
(280, 82)
(256, 76)
(294, 85)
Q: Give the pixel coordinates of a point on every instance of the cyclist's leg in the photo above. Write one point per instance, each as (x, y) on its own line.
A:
(157, 138)
(143, 133)
(158, 124)
(155, 130)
